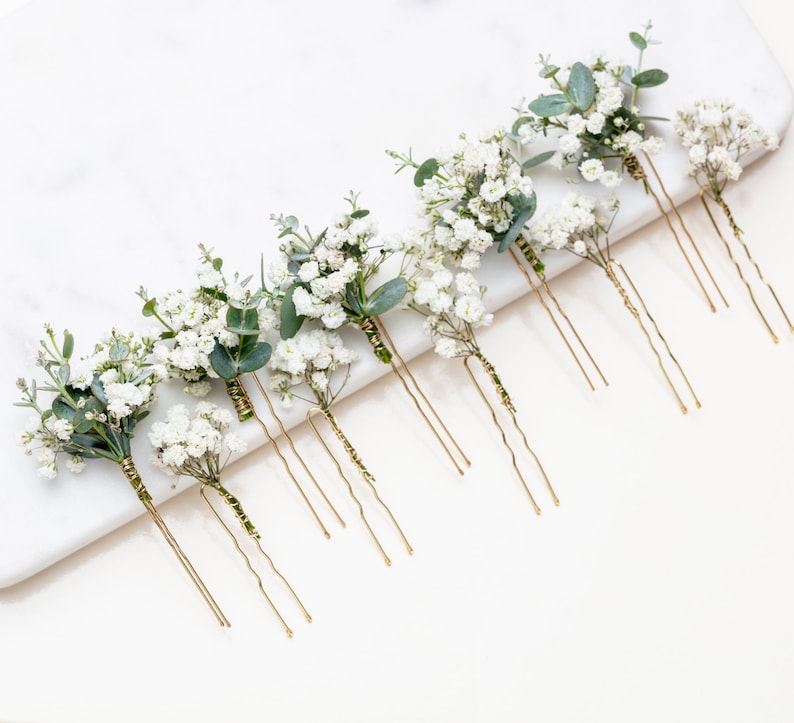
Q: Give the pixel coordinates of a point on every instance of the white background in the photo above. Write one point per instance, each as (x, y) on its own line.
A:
(660, 590)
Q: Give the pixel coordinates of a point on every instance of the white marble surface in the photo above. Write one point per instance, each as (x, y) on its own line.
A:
(659, 590)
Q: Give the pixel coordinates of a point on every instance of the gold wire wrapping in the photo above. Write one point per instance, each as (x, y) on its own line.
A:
(128, 467)
(254, 535)
(612, 264)
(637, 172)
(240, 399)
(529, 255)
(506, 402)
(364, 473)
(737, 233)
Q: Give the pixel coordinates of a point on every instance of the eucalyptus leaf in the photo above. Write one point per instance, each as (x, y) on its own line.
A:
(224, 364)
(62, 409)
(649, 78)
(518, 123)
(427, 170)
(386, 297)
(256, 358)
(523, 215)
(360, 213)
(291, 322)
(353, 302)
(68, 345)
(119, 351)
(581, 87)
(548, 106)
(63, 374)
(98, 390)
(89, 442)
(149, 307)
(537, 160)
(638, 41)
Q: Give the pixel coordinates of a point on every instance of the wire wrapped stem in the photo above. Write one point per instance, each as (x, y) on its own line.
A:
(367, 477)
(131, 473)
(506, 402)
(240, 399)
(739, 236)
(251, 532)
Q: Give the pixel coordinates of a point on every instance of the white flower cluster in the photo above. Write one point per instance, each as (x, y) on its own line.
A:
(192, 445)
(608, 128)
(309, 358)
(120, 365)
(468, 201)
(323, 267)
(44, 439)
(578, 224)
(717, 134)
(197, 319)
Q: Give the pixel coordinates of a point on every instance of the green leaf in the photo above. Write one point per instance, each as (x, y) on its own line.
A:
(85, 441)
(537, 160)
(224, 364)
(361, 213)
(291, 322)
(649, 78)
(149, 307)
(62, 409)
(68, 345)
(256, 358)
(523, 215)
(549, 71)
(581, 88)
(353, 301)
(244, 322)
(547, 106)
(638, 41)
(98, 390)
(386, 297)
(426, 171)
(63, 374)
(119, 351)
(518, 123)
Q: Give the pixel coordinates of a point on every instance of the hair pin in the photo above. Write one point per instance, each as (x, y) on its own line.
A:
(718, 135)
(200, 445)
(95, 404)
(327, 277)
(214, 331)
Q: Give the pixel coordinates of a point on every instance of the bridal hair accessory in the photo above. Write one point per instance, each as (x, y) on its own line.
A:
(328, 277)
(479, 197)
(213, 331)
(717, 136)
(94, 405)
(199, 445)
(311, 362)
(321, 285)
(439, 258)
(600, 130)
(580, 225)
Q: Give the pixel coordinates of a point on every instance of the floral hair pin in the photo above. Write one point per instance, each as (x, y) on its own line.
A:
(580, 225)
(477, 197)
(450, 299)
(307, 363)
(199, 445)
(600, 130)
(214, 332)
(718, 135)
(328, 277)
(94, 406)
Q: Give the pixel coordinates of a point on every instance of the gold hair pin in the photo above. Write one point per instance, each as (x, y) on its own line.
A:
(93, 407)
(718, 136)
